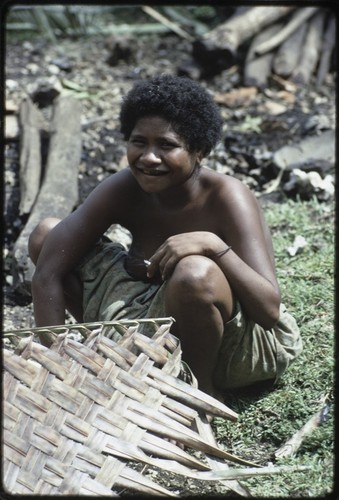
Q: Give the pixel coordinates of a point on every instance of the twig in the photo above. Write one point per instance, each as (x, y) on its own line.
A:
(166, 22)
(291, 446)
(300, 16)
(273, 184)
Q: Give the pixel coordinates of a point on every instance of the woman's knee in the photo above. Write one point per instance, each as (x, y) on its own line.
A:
(38, 236)
(195, 275)
(198, 280)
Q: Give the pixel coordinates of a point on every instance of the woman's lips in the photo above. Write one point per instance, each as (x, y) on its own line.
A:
(153, 172)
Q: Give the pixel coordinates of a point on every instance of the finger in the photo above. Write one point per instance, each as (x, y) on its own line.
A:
(157, 263)
(167, 266)
(150, 269)
(153, 263)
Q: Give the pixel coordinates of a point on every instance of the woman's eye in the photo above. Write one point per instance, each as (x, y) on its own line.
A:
(137, 142)
(168, 145)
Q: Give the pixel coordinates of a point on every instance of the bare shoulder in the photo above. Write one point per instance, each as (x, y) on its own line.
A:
(120, 182)
(108, 203)
(111, 197)
(236, 208)
(228, 191)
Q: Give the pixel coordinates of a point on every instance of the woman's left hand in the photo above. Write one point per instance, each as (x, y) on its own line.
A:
(179, 246)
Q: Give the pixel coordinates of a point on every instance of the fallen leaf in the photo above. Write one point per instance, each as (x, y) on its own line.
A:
(238, 97)
(274, 108)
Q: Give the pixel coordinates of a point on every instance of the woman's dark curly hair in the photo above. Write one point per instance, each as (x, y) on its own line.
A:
(185, 104)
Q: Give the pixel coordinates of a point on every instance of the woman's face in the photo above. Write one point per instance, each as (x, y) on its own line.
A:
(158, 156)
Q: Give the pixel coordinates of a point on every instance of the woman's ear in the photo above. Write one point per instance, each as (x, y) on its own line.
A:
(200, 157)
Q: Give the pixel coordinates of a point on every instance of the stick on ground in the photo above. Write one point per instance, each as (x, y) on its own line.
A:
(290, 448)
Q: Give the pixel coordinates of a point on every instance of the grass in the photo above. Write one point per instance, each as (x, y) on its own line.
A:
(268, 419)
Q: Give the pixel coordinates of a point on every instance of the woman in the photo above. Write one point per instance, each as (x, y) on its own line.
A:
(201, 251)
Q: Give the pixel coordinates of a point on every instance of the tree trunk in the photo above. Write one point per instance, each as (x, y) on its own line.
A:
(299, 17)
(288, 54)
(59, 191)
(327, 50)
(311, 50)
(220, 45)
(257, 69)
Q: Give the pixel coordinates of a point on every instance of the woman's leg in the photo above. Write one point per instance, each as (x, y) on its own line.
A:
(72, 284)
(200, 299)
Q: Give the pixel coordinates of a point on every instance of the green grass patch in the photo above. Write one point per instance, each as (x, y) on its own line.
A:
(267, 419)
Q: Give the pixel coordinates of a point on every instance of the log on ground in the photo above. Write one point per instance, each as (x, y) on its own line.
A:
(58, 194)
(327, 50)
(257, 69)
(311, 50)
(288, 54)
(219, 46)
(31, 124)
(299, 17)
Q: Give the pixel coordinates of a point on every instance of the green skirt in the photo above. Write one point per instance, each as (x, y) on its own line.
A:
(248, 354)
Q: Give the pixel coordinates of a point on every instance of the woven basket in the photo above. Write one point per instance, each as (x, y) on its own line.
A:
(76, 415)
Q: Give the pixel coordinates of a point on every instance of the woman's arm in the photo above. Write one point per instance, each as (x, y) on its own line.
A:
(69, 242)
(258, 295)
(248, 266)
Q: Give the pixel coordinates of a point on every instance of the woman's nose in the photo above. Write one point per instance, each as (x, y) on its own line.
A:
(150, 155)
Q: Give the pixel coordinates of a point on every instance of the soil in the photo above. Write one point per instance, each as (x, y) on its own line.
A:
(252, 133)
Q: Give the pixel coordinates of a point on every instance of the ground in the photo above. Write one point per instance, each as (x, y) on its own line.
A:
(252, 133)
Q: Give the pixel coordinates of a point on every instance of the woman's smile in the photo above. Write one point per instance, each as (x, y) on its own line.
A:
(153, 172)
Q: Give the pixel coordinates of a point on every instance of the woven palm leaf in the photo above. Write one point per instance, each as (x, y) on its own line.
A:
(77, 414)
